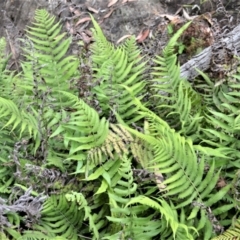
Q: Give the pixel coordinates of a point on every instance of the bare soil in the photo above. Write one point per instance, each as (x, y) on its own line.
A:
(147, 20)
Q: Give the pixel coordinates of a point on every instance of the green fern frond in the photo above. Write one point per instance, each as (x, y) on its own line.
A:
(177, 102)
(18, 119)
(113, 67)
(166, 211)
(221, 128)
(126, 220)
(82, 202)
(59, 217)
(168, 72)
(84, 129)
(3, 56)
(47, 65)
(175, 157)
(33, 235)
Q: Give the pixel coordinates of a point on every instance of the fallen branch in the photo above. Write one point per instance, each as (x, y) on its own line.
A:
(202, 61)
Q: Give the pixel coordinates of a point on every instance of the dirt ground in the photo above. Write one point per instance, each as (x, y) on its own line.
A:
(147, 20)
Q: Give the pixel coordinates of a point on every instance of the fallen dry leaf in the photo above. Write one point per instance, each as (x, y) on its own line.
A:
(112, 2)
(91, 9)
(70, 28)
(142, 35)
(88, 32)
(75, 11)
(125, 1)
(86, 19)
(71, 9)
(86, 39)
(172, 18)
(122, 38)
(109, 13)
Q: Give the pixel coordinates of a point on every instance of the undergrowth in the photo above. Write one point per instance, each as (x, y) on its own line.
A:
(133, 158)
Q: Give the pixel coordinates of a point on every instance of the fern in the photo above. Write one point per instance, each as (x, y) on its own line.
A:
(83, 131)
(81, 201)
(176, 100)
(149, 159)
(112, 68)
(176, 158)
(231, 233)
(60, 218)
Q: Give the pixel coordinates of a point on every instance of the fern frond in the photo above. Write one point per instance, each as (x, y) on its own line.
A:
(113, 67)
(164, 210)
(168, 72)
(175, 157)
(47, 66)
(23, 120)
(126, 219)
(84, 130)
(175, 98)
(59, 217)
(116, 141)
(33, 235)
(3, 56)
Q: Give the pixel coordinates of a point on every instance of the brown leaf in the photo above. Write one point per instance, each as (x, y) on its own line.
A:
(122, 38)
(126, 1)
(159, 180)
(92, 10)
(142, 35)
(109, 13)
(112, 2)
(70, 28)
(88, 32)
(86, 19)
(174, 19)
(86, 39)
(75, 11)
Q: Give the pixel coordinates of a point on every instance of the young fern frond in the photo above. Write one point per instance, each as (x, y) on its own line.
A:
(176, 100)
(113, 67)
(167, 71)
(84, 130)
(47, 67)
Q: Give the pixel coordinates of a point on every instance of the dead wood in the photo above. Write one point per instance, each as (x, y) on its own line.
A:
(219, 50)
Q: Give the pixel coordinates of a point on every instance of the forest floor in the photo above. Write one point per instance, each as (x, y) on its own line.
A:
(149, 22)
